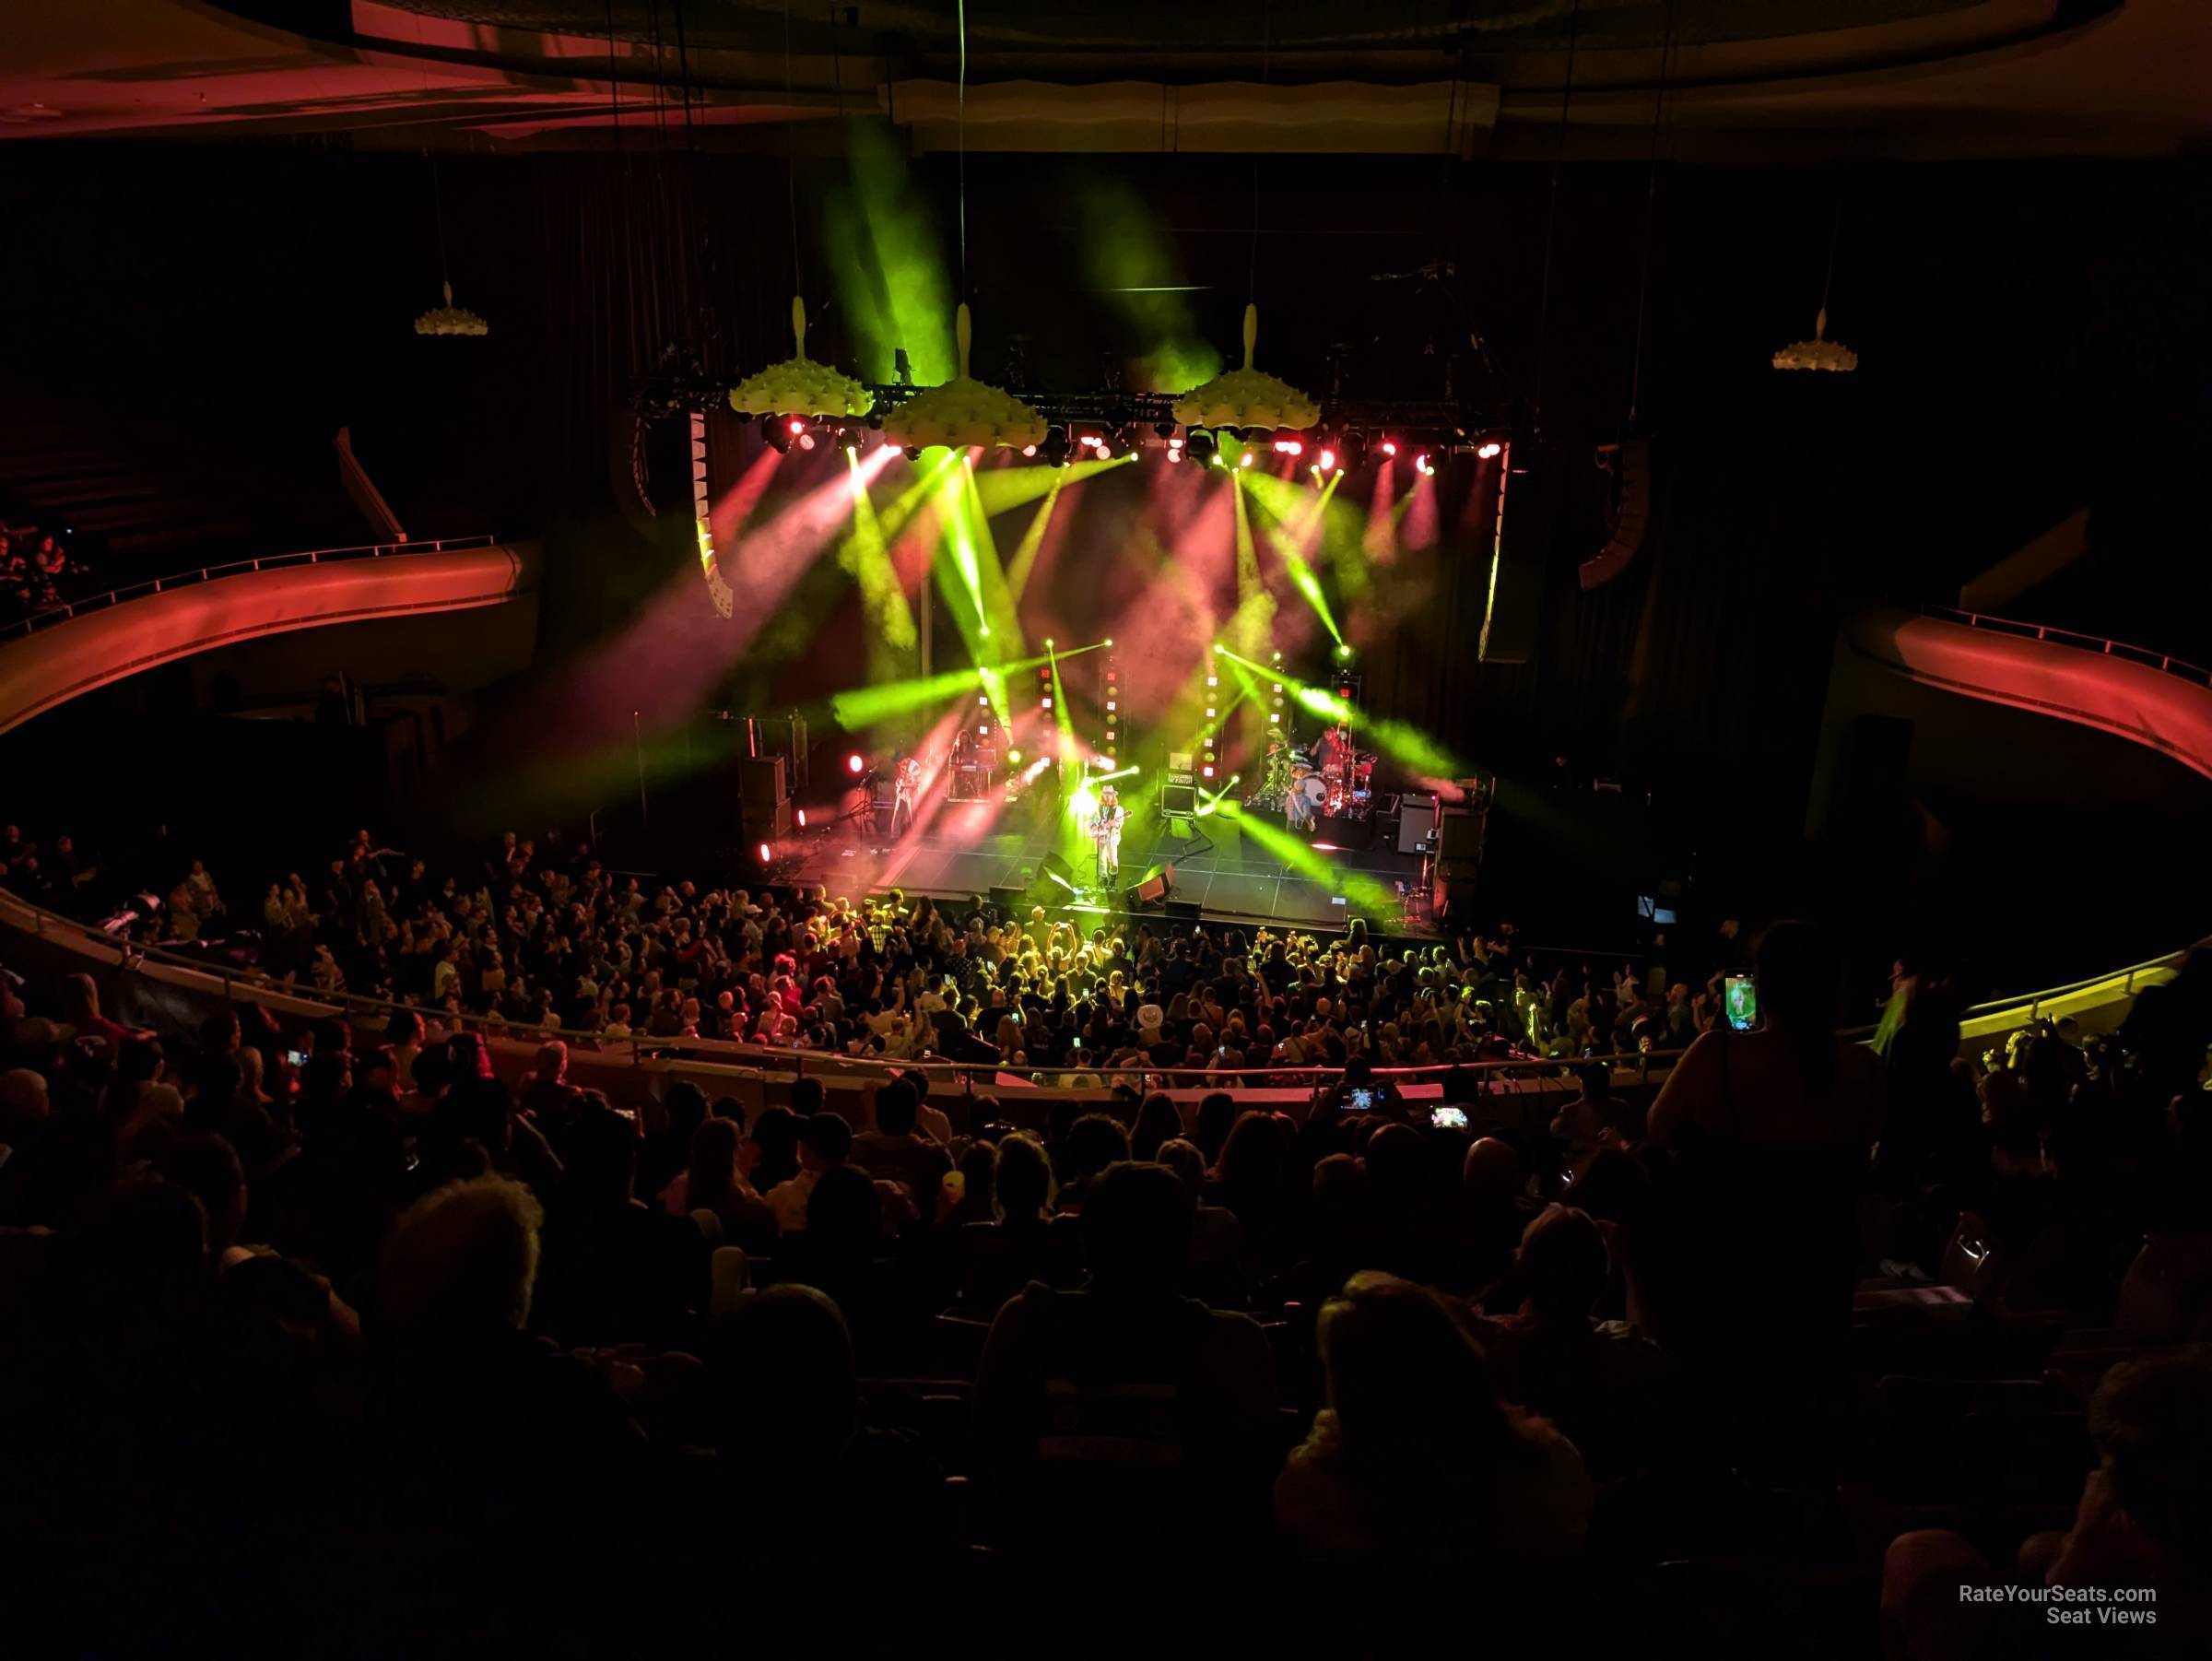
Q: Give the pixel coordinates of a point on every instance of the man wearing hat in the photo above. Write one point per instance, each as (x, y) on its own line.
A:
(1106, 830)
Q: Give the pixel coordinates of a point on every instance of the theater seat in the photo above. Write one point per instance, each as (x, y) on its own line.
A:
(956, 1346)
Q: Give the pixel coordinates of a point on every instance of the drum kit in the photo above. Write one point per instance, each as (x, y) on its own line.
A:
(1339, 788)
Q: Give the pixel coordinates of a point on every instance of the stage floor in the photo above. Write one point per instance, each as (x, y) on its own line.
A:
(1229, 879)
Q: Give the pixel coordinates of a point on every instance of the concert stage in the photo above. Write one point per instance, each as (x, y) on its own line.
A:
(1229, 879)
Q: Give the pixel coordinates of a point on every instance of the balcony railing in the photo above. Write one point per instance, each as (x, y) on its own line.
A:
(2165, 663)
(45, 618)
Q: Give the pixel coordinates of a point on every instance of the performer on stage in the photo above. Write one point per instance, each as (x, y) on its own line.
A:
(1334, 749)
(1307, 793)
(1106, 833)
(906, 793)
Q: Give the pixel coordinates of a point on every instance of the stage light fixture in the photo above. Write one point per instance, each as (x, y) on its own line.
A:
(1166, 429)
(777, 433)
(1174, 453)
(1489, 452)
(857, 765)
(797, 425)
(1344, 653)
(768, 855)
(801, 813)
(1199, 446)
(1328, 460)
(1423, 466)
(1028, 449)
(806, 440)
(1014, 758)
(1054, 448)
(1288, 445)
(1351, 451)
(1244, 460)
(1390, 446)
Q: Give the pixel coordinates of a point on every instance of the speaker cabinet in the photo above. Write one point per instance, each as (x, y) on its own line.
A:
(1416, 823)
(763, 779)
(1460, 836)
(1627, 514)
(1150, 889)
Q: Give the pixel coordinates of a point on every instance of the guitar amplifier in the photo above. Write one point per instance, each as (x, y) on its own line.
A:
(1416, 823)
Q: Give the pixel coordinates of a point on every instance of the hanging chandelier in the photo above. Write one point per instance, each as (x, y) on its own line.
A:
(451, 319)
(964, 412)
(1820, 352)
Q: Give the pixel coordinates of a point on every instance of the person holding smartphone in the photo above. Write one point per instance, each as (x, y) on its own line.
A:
(1770, 1131)
(1359, 1092)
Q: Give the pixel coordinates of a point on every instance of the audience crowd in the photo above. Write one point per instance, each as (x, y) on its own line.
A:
(330, 1336)
(37, 569)
(541, 935)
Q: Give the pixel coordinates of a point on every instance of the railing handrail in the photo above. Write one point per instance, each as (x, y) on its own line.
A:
(642, 1046)
(2051, 994)
(26, 626)
(2164, 662)
(644, 1049)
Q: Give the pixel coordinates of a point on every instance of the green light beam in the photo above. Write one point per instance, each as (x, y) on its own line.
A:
(892, 281)
(1063, 723)
(860, 707)
(863, 556)
(1001, 488)
(1368, 896)
(1025, 551)
(1400, 740)
(1129, 258)
(1317, 517)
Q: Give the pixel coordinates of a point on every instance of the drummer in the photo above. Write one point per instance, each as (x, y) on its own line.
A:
(1334, 750)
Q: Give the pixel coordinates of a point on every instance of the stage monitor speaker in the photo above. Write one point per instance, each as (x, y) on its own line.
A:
(1178, 801)
(764, 779)
(1153, 887)
(1006, 901)
(1350, 835)
(1184, 911)
(1416, 823)
(1460, 837)
(1628, 512)
(1055, 874)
